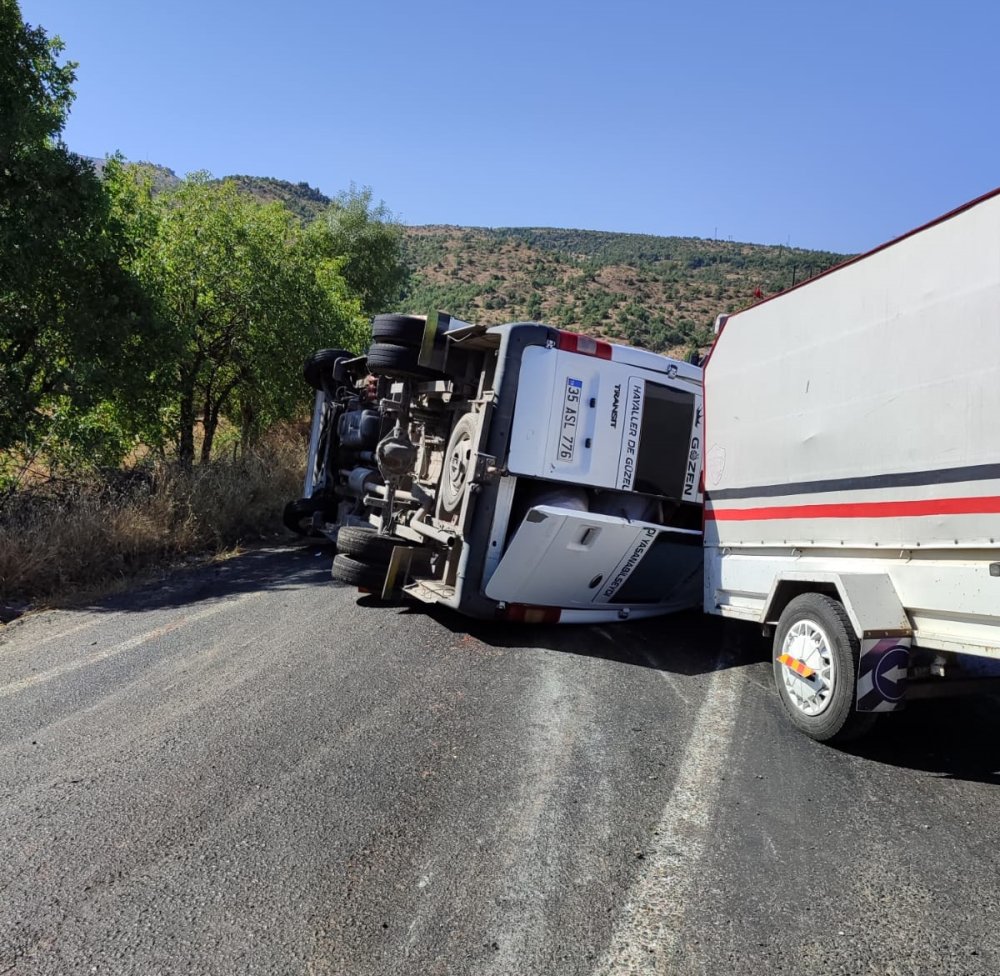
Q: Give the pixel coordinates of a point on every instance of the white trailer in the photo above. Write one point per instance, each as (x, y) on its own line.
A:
(852, 470)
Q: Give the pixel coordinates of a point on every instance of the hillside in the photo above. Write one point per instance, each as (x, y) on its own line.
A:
(301, 198)
(163, 178)
(662, 293)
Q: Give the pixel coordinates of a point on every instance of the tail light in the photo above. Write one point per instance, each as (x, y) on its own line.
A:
(522, 613)
(584, 345)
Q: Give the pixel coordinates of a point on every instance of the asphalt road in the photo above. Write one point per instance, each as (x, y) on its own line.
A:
(249, 769)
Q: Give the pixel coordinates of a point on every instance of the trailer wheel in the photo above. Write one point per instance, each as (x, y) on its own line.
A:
(356, 573)
(401, 330)
(365, 544)
(457, 464)
(319, 366)
(815, 663)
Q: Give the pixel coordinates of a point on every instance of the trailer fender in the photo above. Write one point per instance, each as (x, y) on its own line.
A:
(879, 621)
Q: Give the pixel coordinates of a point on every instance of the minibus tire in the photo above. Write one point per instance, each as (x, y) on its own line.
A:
(319, 366)
(388, 359)
(357, 573)
(363, 543)
(400, 330)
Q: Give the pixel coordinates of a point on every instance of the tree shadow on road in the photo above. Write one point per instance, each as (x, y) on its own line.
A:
(270, 568)
(686, 643)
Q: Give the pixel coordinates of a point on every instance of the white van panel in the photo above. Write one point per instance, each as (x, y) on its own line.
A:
(565, 558)
(532, 412)
(645, 359)
(581, 419)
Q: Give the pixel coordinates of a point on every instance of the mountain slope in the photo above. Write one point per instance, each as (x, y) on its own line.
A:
(662, 293)
(301, 198)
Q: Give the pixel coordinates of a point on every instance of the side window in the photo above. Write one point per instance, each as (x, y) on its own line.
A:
(670, 564)
(661, 463)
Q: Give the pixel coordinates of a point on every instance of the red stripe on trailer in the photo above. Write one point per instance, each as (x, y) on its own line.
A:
(984, 505)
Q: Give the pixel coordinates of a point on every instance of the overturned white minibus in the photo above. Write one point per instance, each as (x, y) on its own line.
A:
(516, 471)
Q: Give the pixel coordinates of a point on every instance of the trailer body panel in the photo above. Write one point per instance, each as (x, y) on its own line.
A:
(853, 426)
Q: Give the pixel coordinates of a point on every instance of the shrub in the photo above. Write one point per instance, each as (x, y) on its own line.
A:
(64, 535)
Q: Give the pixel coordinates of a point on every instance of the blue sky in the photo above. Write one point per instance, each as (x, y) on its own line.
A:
(824, 125)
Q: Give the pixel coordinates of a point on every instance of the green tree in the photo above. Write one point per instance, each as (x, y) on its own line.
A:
(321, 311)
(248, 295)
(368, 240)
(73, 322)
(35, 90)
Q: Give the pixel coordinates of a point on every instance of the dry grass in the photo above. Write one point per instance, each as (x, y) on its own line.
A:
(65, 537)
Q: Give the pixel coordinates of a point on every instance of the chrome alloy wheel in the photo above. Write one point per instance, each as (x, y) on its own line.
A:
(808, 643)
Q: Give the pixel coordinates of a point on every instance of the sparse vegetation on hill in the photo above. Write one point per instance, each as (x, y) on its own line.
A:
(305, 201)
(662, 293)
(161, 178)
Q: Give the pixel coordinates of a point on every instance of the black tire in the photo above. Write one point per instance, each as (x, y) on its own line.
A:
(298, 515)
(365, 544)
(356, 573)
(319, 366)
(458, 461)
(399, 330)
(820, 616)
(387, 359)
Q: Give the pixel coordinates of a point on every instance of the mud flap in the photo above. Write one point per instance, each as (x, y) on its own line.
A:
(397, 573)
(882, 672)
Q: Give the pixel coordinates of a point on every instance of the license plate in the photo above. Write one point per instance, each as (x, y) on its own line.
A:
(570, 421)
